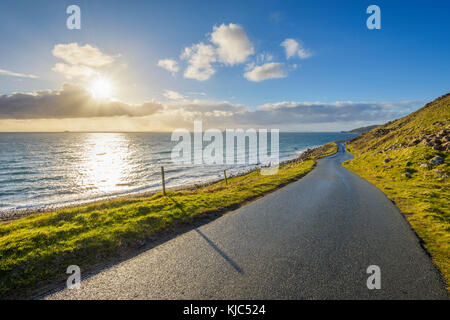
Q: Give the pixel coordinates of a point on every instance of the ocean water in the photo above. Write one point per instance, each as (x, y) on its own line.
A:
(42, 169)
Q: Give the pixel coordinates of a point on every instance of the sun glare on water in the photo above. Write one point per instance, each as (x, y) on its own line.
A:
(101, 88)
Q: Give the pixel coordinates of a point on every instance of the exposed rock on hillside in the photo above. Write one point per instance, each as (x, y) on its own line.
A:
(439, 141)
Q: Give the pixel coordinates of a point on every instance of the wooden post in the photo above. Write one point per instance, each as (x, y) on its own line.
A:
(225, 175)
(163, 182)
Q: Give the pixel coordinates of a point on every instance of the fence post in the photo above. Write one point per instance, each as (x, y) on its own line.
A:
(225, 175)
(163, 181)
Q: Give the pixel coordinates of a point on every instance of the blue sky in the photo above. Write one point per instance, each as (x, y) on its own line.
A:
(407, 60)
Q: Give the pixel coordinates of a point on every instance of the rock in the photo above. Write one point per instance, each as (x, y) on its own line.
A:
(381, 132)
(436, 141)
(425, 165)
(446, 146)
(426, 142)
(388, 160)
(407, 175)
(415, 142)
(443, 133)
(436, 160)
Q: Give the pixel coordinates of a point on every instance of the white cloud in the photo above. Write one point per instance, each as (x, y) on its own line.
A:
(200, 58)
(197, 93)
(229, 45)
(263, 58)
(74, 71)
(82, 62)
(86, 55)
(173, 95)
(233, 45)
(290, 112)
(169, 64)
(270, 70)
(294, 48)
(72, 102)
(15, 74)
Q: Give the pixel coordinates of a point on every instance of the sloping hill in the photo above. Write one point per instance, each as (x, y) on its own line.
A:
(363, 129)
(432, 119)
(408, 159)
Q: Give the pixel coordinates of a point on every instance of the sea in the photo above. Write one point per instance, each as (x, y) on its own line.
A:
(39, 170)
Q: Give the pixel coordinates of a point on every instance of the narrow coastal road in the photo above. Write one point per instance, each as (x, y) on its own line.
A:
(312, 239)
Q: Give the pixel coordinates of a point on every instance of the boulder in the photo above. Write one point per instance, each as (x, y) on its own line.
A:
(407, 175)
(436, 160)
(388, 160)
(381, 132)
(425, 165)
(436, 141)
(446, 146)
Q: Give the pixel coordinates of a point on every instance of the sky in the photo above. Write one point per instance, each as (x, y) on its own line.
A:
(160, 65)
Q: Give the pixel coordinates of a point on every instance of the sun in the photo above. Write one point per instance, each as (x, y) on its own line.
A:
(101, 88)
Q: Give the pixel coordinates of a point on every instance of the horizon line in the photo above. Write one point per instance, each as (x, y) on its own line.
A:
(283, 131)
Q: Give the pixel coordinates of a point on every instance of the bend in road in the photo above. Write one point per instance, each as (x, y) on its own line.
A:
(312, 239)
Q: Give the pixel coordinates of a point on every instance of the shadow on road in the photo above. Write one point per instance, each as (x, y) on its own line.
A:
(223, 254)
(210, 242)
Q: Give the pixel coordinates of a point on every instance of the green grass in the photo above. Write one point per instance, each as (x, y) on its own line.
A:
(326, 150)
(423, 198)
(433, 117)
(36, 250)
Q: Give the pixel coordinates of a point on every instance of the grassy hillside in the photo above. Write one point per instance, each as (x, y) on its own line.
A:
(408, 159)
(363, 129)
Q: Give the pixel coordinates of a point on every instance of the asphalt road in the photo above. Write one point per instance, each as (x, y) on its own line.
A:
(312, 239)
